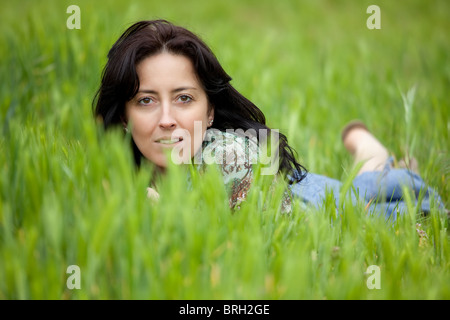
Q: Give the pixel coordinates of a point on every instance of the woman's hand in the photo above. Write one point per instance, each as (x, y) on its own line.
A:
(152, 194)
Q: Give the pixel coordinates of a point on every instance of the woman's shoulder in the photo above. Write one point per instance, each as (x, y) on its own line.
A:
(228, 148)
(235, 154)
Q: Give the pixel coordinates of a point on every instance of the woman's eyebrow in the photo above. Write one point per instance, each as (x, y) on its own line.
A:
(183, 88)
(173, 91)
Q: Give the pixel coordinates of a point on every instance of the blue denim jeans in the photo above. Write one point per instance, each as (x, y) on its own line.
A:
(382, 190)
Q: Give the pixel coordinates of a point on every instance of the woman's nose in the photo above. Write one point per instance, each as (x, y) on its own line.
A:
(167, 120)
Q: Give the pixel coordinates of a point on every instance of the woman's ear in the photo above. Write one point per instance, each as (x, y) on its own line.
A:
(124, 123)
(210, 116)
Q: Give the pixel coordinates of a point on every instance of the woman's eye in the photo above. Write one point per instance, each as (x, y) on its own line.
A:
(184, 98)
(145, 101)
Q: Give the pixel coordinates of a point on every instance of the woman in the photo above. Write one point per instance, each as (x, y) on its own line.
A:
(165, 87)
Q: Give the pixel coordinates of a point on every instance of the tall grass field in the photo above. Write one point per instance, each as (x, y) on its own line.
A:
(75, 221)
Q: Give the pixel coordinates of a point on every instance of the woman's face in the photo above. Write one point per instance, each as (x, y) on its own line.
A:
(169, 104)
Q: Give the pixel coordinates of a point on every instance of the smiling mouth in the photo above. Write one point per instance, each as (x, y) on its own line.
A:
(169, 141)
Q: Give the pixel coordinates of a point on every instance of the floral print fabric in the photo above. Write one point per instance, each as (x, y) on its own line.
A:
(236, 154)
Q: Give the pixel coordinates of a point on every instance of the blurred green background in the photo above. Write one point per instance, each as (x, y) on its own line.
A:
(311, 66)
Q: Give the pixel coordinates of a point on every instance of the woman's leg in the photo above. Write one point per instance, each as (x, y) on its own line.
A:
(377, 181)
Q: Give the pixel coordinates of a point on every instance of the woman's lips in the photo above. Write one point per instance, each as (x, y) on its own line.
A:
(169, 141)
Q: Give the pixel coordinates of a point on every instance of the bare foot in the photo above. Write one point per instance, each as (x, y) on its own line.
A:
(364, 147)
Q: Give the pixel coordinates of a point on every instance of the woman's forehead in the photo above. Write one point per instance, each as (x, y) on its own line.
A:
(166, 69)
(166, 62)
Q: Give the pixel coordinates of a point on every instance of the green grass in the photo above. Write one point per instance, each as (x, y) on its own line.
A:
(69, 194)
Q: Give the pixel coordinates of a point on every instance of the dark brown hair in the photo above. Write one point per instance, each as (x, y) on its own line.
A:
(120, 83)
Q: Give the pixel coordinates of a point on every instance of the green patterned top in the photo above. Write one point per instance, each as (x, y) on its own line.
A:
(236, 154)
